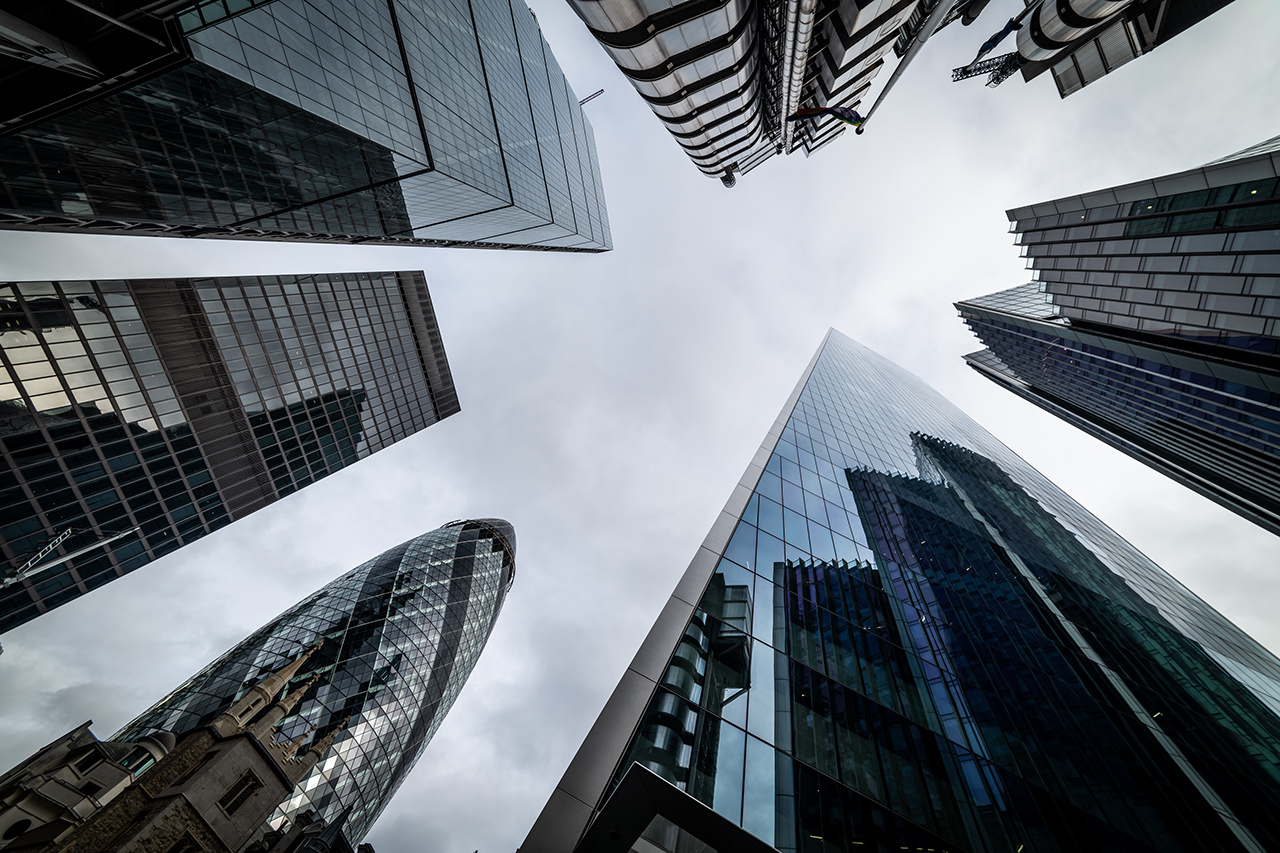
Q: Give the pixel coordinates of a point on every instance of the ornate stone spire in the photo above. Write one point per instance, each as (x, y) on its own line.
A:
(299, 767)
(258, 697)
(264, 727)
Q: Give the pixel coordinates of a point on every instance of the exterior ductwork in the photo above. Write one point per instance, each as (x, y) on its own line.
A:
(1055, 24)
(723, 75)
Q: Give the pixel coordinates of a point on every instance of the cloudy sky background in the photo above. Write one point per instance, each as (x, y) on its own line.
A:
(610, 402)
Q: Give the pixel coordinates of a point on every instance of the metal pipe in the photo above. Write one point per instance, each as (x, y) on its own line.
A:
(927, 29)
(1055, 25)
(800, 14)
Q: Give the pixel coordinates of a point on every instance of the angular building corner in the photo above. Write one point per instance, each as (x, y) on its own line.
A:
(900, 635)
(389, 646)
(138, 416)
(400, 123)
(1153, 323)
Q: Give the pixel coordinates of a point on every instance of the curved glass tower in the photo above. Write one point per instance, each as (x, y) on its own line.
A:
(397, 636)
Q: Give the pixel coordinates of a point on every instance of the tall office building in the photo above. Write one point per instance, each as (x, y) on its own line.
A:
(1154, 324)
(724, 76)
(420, 122)
(395, 640)
(899, 635)
(137, 416)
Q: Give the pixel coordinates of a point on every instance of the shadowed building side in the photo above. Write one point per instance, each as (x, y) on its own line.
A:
(206, 792)
(407, 123)
(1154, 324)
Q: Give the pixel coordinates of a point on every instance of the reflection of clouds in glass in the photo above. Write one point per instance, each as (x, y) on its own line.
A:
(63, 357)
(286, 340)
(941, 643)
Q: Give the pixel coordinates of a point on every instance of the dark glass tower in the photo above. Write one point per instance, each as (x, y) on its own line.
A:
(137, 416)
(398, 637)
(426, 122)
(899, 635)
(1153, 324)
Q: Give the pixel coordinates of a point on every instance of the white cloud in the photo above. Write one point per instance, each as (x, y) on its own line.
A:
(610, 402)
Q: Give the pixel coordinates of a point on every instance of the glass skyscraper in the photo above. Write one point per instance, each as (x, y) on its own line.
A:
(428, 122)
(1154, 324)
(900, 636)
(137, 416)
(397, 637)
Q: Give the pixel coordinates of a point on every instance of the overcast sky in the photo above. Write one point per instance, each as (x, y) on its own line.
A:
(610, 402)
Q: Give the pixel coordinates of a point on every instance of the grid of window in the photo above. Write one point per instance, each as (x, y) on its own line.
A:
(175, 407)
(1200, 263)
(1154, 324)
(92, 440)
(1219, 427)
(914, 640)
(400, 635)
(316, 119)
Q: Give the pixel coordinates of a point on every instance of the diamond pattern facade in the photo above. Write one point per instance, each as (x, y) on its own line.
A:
(398, 637)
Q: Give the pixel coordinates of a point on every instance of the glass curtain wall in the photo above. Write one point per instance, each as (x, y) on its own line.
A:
(397, 637)
(165, 409)
(912, 640)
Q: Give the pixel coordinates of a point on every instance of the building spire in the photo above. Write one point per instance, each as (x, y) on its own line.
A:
(258, 697)
(299, 767)
(276, 682)
(265, 725)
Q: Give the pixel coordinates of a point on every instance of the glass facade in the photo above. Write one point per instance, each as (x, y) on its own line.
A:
(901, 636)
(165, 409)
(398, 637)
(338, 120)
(1153, 324)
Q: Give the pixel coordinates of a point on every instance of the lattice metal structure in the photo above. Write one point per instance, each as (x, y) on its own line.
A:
(397, 637)
(723, 75)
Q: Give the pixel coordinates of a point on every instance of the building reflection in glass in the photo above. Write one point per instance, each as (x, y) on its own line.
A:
(948, 653)
(425, 122)
(177, 406)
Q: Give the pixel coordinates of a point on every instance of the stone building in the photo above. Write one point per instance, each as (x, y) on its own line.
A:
(210, 792)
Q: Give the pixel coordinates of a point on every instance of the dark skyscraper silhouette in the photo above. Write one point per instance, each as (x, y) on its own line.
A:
(1154, 324)
(419, 122)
